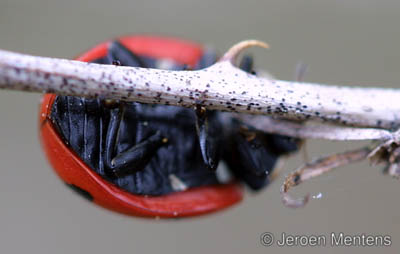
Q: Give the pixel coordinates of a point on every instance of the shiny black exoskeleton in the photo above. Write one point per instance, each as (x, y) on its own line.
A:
(143, 148)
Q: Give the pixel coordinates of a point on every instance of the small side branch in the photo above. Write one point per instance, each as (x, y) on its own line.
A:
(313, 130)
(317, 168)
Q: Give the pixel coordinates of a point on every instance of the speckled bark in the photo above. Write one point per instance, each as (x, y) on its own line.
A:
(221, 87)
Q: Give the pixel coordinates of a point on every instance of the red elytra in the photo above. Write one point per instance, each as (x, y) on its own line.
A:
(68, 165)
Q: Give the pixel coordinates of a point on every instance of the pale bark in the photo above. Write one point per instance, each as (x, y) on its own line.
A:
(222, 86)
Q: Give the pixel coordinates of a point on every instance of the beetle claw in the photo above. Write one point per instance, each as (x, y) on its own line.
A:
(207, 138)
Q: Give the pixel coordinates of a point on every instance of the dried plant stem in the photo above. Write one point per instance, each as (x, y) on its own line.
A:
(314, 130)
(317, 168)
(222, 86)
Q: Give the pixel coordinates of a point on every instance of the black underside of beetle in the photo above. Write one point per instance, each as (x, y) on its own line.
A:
(145, 149)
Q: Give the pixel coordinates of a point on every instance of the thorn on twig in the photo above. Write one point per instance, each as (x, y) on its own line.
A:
(232, 54)
(317, 168)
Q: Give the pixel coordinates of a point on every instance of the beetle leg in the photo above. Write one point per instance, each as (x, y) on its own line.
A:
(246, 64)
(249, 155)
(252, 149)
(209, 143)
(119, 53)
(244, 170)
(133, 159)
(256, 154)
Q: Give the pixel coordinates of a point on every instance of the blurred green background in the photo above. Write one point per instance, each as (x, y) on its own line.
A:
(342, 42)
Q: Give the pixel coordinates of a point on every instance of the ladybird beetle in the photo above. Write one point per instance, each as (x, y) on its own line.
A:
(154, 160)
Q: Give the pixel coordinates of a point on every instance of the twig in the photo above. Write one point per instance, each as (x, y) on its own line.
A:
(316, 168)
(365, 113)
(313, 130)
(222, 86)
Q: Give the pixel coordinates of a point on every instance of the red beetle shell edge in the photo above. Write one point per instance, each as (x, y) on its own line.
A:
(73, 170)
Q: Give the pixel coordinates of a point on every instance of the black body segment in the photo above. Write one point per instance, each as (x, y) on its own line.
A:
(90, 134)
(138, 147)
